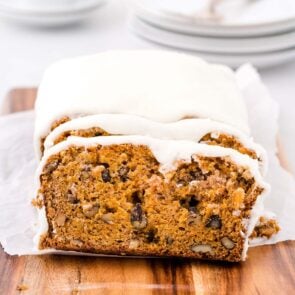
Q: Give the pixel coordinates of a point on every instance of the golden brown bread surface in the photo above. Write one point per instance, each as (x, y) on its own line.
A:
(114, 200)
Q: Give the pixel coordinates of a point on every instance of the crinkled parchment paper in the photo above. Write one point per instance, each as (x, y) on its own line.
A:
(18, 163)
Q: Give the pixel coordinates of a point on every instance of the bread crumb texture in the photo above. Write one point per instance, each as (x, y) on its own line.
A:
(114, 200)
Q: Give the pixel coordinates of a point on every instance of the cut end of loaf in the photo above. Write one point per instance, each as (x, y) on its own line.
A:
(113, 199)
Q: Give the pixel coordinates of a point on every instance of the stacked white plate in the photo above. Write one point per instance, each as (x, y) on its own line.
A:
(48, 12)
(233, 32)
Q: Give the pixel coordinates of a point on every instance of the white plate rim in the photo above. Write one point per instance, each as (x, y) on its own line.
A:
(39, 12)
(215, 45)
(261, 60)
(213, 29)
(212, 24)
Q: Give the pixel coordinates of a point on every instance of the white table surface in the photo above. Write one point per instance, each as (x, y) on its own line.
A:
(26, 52)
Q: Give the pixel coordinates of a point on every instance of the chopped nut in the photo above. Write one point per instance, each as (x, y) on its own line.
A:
(194, 217)
(123, 173)
(85, 172)
(84, 175)
(50, 167)
(105, 175)
(77, 243)
(138, 219)
(90, 210)
(169, 240)
(72, 195)
(107, 218)
(72, 199)
(227, 243)
(202, 248)
(133, 244)
(187, 176)
(60, 219)
(214, 222)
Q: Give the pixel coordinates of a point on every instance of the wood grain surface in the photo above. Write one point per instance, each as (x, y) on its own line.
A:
(268, 269)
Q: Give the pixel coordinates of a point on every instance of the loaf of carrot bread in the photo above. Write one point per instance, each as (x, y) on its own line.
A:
(146, 153)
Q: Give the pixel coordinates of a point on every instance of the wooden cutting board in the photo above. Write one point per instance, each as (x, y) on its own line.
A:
(268, 269)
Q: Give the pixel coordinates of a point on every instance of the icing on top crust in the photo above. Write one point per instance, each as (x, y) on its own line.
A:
(122, 124)
(158, 85)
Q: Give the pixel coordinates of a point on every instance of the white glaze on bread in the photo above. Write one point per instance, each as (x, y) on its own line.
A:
(158, 85)
(122, 124)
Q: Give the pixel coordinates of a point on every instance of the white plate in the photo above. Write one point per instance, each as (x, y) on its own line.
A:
(50, 17)
(47, 6)
(266, 17)
(260, 60)
(213, 44)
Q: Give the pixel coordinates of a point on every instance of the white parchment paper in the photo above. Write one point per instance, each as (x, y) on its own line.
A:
(18, 219)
